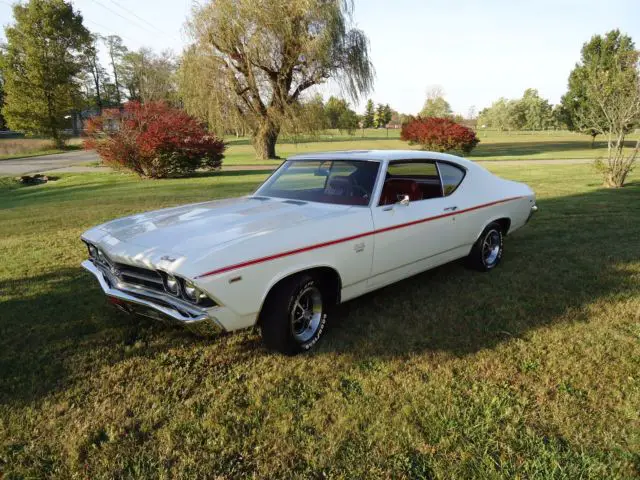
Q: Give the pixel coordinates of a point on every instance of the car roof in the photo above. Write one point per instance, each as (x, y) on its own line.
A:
(381, 155)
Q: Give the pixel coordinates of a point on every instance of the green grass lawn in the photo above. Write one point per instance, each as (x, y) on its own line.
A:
(493, 145)
(530, 371)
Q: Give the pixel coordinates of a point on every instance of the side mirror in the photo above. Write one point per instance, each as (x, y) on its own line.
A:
(404, 200)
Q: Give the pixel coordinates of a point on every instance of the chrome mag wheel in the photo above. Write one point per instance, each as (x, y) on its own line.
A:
(305, 316)
(491, 246)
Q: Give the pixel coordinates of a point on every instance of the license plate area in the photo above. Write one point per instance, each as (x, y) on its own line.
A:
(136, 309)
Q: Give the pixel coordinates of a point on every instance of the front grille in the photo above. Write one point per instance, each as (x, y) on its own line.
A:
(125, 275)
(131, 275)
(142, 277)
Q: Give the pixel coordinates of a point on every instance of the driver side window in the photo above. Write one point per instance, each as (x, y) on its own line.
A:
(419, 180)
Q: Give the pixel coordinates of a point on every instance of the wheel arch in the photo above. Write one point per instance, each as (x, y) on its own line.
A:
(328, 276)
(502, 220)
(505, 223)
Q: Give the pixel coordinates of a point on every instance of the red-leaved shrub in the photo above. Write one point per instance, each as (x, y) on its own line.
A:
(154, 140)
(439, 135)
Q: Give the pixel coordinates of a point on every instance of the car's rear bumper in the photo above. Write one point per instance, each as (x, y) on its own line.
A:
(161, 308)
(534, 209)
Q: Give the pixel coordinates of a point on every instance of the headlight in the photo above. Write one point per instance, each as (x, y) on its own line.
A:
(93, 251)
(195, 295)
(172, 285)
(191, 292)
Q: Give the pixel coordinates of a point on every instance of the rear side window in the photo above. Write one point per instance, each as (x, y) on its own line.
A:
(450, 176)
(413, 169)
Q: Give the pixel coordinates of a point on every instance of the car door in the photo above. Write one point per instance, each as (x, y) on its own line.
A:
(413, 228)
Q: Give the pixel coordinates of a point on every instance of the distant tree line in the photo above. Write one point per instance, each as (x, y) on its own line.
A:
(377, 116)
(531, 112)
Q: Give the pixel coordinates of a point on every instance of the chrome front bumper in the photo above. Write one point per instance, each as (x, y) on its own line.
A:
(159, 307)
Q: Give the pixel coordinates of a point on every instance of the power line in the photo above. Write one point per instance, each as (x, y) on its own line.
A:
(107, 29)
(119, 5)
(123, 17)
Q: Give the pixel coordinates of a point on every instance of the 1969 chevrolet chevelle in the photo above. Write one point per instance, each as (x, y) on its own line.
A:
(323, 229)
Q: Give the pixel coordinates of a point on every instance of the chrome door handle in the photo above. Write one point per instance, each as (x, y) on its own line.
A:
(451, 209)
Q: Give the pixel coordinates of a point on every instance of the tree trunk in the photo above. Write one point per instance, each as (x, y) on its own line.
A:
(264, 140)
(115, 79)
(593, 140)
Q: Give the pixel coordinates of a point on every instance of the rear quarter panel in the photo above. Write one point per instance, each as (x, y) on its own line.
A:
(483, 197)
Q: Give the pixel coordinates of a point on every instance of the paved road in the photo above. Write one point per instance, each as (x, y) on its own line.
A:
(72, 162)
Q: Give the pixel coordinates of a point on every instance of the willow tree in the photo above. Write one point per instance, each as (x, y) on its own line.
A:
(257, 58)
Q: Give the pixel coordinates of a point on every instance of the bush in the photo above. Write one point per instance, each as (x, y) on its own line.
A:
(154, 140)
(439, 135)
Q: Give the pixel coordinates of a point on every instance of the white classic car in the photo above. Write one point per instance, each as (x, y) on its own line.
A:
(323, 229)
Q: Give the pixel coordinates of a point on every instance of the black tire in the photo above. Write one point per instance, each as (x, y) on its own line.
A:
(487, 252)
(287, 324)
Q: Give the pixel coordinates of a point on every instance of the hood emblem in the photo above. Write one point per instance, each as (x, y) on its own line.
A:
(167, 258)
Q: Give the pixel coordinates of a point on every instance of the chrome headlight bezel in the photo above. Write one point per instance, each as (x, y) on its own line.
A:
(93, 250)
(171, 284)
(191, 292)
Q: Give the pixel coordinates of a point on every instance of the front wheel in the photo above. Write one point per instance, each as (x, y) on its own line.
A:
(294, 315)
(487, 252)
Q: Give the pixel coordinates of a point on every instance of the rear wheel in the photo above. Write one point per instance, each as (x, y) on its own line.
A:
(295, 315)
(487, 252)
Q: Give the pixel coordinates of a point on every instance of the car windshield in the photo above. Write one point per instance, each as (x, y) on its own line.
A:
(344, 182)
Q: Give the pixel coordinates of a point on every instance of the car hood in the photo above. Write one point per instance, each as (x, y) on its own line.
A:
(190, 229)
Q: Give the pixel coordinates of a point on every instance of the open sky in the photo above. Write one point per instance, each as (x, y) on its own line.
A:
(477, 51)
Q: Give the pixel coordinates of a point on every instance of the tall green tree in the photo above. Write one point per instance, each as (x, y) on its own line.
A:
(435, 105)
(2, 122)
(96, 71)
(379, 118)
(116, 51)
(387, 114)
(40, 64)
(348, 121)
(339, 115)
(600, 52)
(333, 110)
(537, 112)
(260, 57)
(369, 114)
(147, 76)
(613, 92)
(499, 115)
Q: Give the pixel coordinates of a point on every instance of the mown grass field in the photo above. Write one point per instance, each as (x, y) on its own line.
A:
(530, 371)
(493, 145)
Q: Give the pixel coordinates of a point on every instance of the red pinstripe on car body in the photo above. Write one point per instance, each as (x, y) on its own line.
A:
(346, 239)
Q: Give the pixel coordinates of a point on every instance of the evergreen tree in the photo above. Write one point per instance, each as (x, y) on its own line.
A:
(369, 115)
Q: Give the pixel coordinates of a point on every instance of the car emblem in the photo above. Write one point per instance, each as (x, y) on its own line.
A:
(168, 258)
(115, 272)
